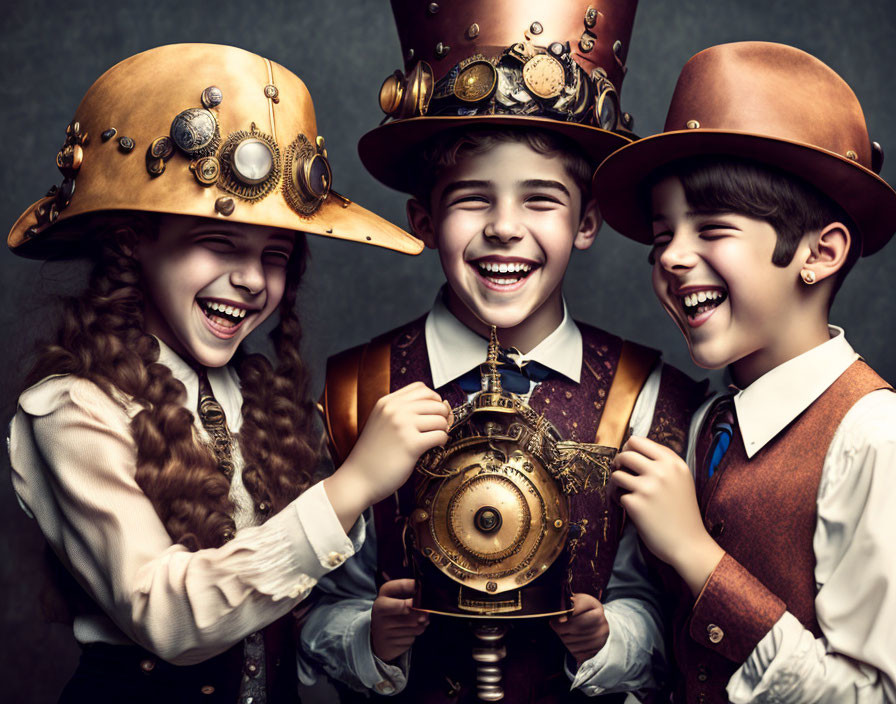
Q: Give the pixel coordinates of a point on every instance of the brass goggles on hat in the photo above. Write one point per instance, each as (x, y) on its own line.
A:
(248, 164)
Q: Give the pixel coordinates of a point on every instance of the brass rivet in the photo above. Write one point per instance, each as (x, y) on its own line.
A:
(617, 47)
(272, 92)
(852, 155)
(224, 205)
(126, 145)
(211, 97)
(442, 50)
(536, 28)
(590, 17)
(558, 523)
(433, 8)
(586, 43)
(692, 124)
(491, 586)
(473, 31)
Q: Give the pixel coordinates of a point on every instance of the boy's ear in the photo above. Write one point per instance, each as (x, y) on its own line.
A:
(829, 250)
(420, 220)
(588, 225)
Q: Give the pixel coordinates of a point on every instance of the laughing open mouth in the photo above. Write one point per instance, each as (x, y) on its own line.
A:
(223, 314)
(504, 273)
(696, 303)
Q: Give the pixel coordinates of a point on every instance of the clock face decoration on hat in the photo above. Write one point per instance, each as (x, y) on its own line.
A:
(526, 63)
(202, 130)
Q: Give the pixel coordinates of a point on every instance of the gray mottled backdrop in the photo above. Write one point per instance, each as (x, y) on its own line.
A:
(50, 53)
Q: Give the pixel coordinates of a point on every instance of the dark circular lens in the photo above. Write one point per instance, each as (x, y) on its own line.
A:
(319, 176)
(608, 111)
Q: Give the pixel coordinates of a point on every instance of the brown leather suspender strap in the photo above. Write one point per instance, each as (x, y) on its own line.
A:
(356, 379)
(635, 365)
(375, 376)
(359, 377)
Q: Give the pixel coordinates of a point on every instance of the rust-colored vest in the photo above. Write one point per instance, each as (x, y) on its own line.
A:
(442, 669)
(762, 512)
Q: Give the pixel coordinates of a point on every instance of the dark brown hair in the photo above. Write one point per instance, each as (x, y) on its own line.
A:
(101, 338)
(787, 203)
(443, 152)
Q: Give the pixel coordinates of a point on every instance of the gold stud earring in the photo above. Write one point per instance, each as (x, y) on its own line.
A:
(808, 276)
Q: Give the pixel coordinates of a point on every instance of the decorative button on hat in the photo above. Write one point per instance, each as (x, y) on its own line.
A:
(527, 63)
(770, 103)
(225, 133)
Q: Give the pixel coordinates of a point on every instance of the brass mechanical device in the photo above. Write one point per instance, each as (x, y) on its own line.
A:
(489, 530)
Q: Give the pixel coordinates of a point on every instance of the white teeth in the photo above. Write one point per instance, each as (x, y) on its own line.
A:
(504, 267)
(692, 300)
(232, 311)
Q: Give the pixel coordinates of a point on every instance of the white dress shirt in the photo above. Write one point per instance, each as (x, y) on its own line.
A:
(336, 634)
(73, 465)
(855, 551)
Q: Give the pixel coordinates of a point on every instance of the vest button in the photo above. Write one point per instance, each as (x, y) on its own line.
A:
(147, 665)
(207, 689)
(714, 633)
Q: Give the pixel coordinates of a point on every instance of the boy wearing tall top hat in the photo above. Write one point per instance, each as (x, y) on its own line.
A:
(757, 199)
(503, 112)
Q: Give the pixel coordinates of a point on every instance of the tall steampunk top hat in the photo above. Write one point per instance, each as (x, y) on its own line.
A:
(202, 130)
(529, 63)
(769, 103)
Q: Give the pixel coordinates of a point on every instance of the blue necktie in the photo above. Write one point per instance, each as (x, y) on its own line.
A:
(721, 423)
(515, 377)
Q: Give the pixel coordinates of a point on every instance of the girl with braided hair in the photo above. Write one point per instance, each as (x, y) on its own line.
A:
(174, 475)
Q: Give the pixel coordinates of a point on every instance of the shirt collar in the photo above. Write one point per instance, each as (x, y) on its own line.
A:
(224, 383)
(775, 399)
(454, 349)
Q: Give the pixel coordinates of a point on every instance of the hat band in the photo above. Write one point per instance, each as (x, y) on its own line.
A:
(524, 80)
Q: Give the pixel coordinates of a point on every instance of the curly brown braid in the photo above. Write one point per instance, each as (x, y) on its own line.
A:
(101, 338)
(277, 435)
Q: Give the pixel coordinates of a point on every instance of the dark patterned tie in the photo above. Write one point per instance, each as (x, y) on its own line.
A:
(213, 419)
(716, 435)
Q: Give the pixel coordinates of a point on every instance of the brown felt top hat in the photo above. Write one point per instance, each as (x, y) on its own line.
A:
(769, 103)
(203, 130)
(527, 63)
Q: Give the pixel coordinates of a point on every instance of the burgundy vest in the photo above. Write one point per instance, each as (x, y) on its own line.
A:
(442, 669)
(762, 512)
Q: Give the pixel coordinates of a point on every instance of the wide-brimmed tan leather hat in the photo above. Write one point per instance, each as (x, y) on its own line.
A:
(508, 63)
(770, 103)
(204, 130)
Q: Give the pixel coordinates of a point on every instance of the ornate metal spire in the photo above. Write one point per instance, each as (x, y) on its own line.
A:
(491, 377)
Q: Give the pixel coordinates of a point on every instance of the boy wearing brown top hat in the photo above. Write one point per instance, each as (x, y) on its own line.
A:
(503, 112)
(757, 199)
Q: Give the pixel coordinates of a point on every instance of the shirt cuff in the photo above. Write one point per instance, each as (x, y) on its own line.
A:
(375, 674)
(323, 531)
(607, 669)
(734, 611)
